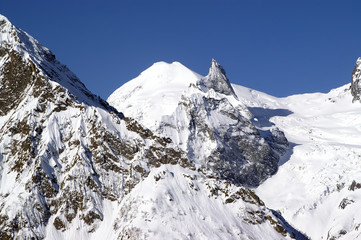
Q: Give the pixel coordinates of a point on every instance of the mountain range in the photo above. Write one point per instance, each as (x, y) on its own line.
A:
(171, 155)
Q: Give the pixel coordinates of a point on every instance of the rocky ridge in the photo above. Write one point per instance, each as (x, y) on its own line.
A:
(64, 151)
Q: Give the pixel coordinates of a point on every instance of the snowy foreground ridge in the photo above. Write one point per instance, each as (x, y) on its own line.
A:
(171, 155)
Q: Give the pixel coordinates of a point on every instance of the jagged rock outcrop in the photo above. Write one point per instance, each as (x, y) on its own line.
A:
(216, 80)
(356, 81)
(220, 141)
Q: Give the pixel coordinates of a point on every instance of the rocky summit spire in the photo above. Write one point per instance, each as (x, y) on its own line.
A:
(356, 81)
(217, 80)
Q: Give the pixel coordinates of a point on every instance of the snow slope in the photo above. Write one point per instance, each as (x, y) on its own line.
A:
(312, 188)
(177, 203)
(156, 90)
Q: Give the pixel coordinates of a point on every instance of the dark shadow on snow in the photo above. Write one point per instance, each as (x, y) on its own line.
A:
(262, 116)
(287, 155)
(293, 232)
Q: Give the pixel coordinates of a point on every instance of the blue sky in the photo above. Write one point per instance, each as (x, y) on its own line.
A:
(278, 47)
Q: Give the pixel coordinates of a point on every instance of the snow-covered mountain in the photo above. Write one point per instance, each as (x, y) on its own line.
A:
(73, 167)
(318, 184)
(204, 117)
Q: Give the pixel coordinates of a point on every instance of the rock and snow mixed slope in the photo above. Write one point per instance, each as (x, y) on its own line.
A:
(64, 152)
(73, 167)
(179, 203)
(318, 185)
(203, 116)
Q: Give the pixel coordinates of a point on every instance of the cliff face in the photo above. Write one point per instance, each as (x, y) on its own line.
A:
(356, 81)
(216, 80)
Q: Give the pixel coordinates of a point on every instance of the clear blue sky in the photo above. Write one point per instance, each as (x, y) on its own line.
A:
(278, 47)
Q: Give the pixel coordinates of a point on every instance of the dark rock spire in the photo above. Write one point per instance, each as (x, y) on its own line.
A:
(356, 81)
(217, 80)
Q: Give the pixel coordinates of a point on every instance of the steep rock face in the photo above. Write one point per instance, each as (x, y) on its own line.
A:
(212, 126)
(356, 81)
(219, 140)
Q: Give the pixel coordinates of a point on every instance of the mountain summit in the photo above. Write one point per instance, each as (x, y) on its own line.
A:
(216, 80)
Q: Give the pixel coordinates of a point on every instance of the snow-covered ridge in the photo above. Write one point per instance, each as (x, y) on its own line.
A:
(64, 153)
(15, 40)
(7, 32)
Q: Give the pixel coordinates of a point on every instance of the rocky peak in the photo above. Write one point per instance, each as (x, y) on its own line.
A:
(217, 71)
(356, 81)
(216, 80)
